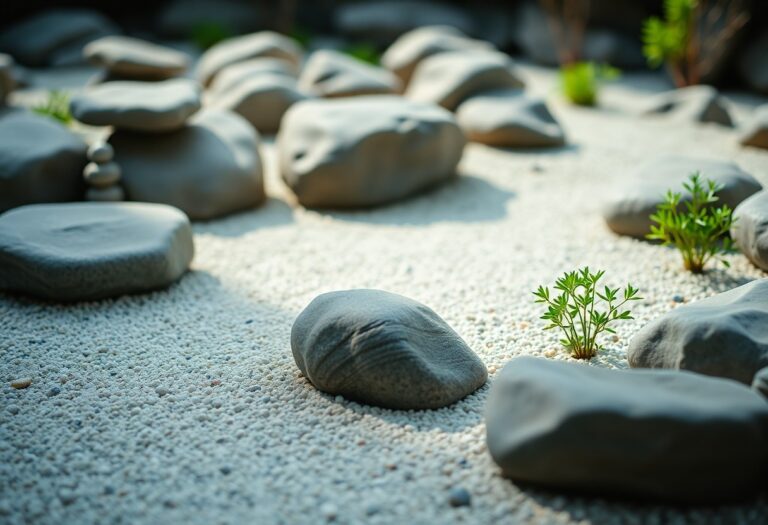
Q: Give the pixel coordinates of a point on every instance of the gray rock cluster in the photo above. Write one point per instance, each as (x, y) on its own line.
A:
(102, 174)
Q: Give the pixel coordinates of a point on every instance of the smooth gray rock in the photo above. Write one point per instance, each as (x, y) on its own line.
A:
(37, 40)
(383, 349)
(328, 73)
(210, 168)
(410, 49)
(691, 104)
(100, 152)
(133, 58)
(447, 79)
(760, 382)
(725, 335)
(264, 44)
(634, 197)
(102, 175)
(755, 132)
(753, 63)
(84, 251)
(155, 107)
(658, 435)
(231, 76)
(366, 151)
(750, 229)
(40, 160)
(509, 118)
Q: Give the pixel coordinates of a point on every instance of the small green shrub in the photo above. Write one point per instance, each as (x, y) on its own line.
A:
(207, 34)
(581, 81)
(56, 106)
(697, 229)
(365, 52)
(576, 312)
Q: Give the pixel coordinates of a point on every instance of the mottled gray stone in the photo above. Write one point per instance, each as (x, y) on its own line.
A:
(133, 58)
(691, 104)
(755, 131)
(750, 229)
(365, 151)
(83, 251)
(328, 73)
(383, 349)
(650, 434)
(725, 335)
(40, 160)
(635, 196)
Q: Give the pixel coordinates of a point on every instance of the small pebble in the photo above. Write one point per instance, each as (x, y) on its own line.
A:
(18, 384)
(459, 497)
(225, 470)
(55, 391)
(101, 152)
(372, 509)
(678, 298)
(329, 511)
(160, 391)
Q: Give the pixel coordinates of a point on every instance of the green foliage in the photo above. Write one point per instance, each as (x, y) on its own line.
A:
(696, 228)
(365, 52)
(581, 81)
(576, 312)
(56, 106)
(302, 36)
(667, 40)
(208, 34)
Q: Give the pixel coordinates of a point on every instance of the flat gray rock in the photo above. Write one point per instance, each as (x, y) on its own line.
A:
(132, 58)
(634, 197)
(366, 151)
(755, 132)
(85, 251)
(509, 118)
(40, 160)
(753, 63)
(153, 107)
(261, 99)
(657, 435)
(725, 335)
(750, 229)
(447, 79)
(264, 44)
(328, 73)
(383, 349)
(231, 76)
(410, 49)
(691, 104)
(208, 169)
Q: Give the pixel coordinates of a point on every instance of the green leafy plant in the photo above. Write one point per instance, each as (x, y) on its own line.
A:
(692, 36)
(577, 313)
(365, 52)
(208, 34)
(581, 81)
(694, 226)
(56, 106)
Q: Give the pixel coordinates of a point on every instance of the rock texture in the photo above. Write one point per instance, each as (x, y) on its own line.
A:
(750, 229)
(132, 58)
(636, 195)
(725, 335)
(208, 169)
(330, 74)
(509, 118)
(40, 160)
(691, 104)
(383, 349)
(449, 78)
(138, 106)
(265, 44)
(83, 251)
(755, 131)
(659, 435)
(366, 151)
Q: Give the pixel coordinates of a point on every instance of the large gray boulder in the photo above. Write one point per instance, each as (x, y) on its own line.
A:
(40, 160)
(332, 74)
(133, 58)
(365, 151)
(755, 131)
(750, 229)
(447, 79)
(691, 104)
(509, 118)
(660, 435)
(84, 251)
(154, 107)
(725, 335)
(635, 196)
(383, 349)
(209, 168)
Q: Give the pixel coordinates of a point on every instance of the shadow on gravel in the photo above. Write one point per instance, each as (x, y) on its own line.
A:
(274, 212)
(554, 152)
(720, 280)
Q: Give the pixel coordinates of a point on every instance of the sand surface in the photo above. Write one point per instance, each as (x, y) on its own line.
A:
(185, 406)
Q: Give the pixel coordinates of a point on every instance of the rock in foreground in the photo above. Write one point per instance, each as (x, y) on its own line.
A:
(383, 349)
(659, 435)
(84, 251)
(725, 335)
(365, 151)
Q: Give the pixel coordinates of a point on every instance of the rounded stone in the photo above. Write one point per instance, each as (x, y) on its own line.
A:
(109, 194)
(383, 349)
(328, 73)
(102, 175)
(84, 251)
(134, 58)
(100, 152)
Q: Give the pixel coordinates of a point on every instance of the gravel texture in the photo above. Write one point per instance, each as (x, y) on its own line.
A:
(185, 406)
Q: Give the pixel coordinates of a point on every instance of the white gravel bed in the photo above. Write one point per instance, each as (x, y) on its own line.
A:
(185, 406)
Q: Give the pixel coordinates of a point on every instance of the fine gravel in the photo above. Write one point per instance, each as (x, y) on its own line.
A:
(185, 406)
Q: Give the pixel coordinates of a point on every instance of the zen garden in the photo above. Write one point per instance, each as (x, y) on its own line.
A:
(390, 262)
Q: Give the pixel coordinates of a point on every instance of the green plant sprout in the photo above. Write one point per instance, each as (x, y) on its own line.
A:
(580, 81)
(56, 106)
(695, 227)
(576, 312)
